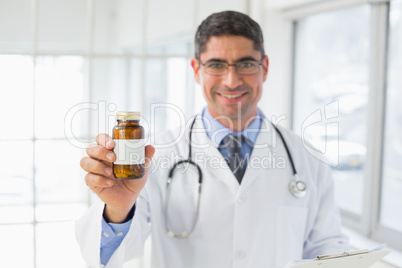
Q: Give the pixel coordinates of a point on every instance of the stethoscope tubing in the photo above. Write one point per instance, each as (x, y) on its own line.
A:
(287, 150)
(296, 187)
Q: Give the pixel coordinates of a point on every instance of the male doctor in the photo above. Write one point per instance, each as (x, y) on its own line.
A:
(246, 215)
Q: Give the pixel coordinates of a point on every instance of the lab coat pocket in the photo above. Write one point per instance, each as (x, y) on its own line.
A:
(290, 225)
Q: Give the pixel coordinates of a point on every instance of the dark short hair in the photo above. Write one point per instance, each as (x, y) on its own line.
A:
(228, 23)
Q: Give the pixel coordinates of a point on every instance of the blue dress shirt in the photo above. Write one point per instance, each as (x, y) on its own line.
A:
(217, 132)
(113, 233)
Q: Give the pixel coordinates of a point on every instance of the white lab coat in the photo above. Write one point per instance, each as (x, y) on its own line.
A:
(258, 223)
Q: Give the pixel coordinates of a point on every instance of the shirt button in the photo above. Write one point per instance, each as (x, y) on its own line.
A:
(106, 234)
(241, 199)
(119, 234)
(240, 254)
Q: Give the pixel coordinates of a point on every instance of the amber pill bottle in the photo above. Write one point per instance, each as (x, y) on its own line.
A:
(129, 147)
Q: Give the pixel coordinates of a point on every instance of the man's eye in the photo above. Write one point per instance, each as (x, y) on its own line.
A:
(216, 65)
(245, 64)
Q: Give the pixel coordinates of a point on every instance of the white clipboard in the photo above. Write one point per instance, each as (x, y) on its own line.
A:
(355, 259)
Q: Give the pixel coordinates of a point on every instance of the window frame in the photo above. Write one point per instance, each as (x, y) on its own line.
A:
(88, 57)
(369, 224)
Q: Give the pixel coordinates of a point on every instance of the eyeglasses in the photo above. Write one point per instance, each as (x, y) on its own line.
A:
(245, 67)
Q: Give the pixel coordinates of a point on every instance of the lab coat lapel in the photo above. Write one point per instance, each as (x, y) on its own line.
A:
(260, 155)
(210, 159)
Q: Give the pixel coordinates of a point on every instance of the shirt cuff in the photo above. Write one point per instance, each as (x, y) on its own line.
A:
(110, 231)
(116, 231)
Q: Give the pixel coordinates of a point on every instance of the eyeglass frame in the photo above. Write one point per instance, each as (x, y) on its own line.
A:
(260, 63)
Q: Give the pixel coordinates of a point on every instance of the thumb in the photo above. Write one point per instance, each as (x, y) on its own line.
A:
(149, 153)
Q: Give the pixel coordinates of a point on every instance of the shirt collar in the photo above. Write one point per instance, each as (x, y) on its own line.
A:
(217, 132)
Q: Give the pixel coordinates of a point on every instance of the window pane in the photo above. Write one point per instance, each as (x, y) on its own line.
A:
(16, 173)
(155, 91)
(59, 212)
(116, 87)
(56, 244)
(176, 90)
(391, 215)
(59, 177)
(135, 82)
(175, 34)
(165, 84)
(15, 26)
(62, 26)
(110, 77)
(331, 94)
(18, 250)
(59, 87)
(16, 214)
(118, 26)
(17, 84)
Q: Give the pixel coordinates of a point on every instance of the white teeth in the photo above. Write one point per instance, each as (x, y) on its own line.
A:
(231, 96)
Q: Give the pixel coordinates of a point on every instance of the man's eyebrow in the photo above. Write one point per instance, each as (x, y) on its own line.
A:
(246, 58)
(215, 60)
(238, 60)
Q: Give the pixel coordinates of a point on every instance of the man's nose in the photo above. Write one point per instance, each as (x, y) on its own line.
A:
(231, 78)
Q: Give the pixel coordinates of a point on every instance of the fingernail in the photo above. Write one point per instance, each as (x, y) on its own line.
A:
(109, 182)
(109, 156)
(108, 170)
(108, 144)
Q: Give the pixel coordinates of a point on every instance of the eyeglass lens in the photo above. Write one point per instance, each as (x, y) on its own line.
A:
(242, 67)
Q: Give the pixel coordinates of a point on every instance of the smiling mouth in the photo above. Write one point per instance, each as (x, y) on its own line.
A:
(232, 96)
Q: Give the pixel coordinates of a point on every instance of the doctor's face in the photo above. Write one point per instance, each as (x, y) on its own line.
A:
(231, 94)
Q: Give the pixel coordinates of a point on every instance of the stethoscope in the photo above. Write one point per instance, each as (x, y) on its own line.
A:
(296, 187)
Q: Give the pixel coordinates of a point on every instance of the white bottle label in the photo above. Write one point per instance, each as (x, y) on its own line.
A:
(129, 152)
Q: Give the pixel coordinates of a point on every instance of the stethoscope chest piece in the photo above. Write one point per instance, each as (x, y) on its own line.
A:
(297, 188)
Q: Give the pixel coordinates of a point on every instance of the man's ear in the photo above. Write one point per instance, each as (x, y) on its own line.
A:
(265, 64)
(196, 67)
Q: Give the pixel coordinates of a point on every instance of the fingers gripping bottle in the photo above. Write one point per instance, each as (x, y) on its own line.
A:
(129, 146)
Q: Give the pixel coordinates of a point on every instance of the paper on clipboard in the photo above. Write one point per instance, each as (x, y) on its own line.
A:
(364, 260)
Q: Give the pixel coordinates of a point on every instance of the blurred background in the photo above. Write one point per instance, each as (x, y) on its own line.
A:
(67, 66)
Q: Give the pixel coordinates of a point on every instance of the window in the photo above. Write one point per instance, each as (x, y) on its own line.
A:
(66, 67)
(347, 90)
(392, 155)
(332, 68)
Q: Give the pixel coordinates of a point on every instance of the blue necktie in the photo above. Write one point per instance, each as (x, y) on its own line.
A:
(235, 162)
